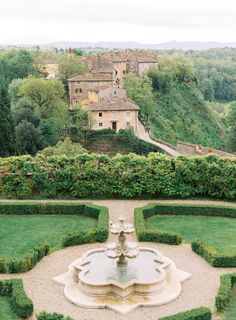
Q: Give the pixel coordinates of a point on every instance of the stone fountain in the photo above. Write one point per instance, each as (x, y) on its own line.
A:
(122, 276)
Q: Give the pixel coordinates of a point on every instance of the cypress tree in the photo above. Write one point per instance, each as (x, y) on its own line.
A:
(7, 125)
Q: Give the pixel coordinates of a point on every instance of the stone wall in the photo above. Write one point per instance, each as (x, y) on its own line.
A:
(191, 149)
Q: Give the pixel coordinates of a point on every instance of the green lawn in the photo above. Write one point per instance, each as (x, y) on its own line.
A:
(230, 313)
(6, 312)
(217, 231)
(19, 234)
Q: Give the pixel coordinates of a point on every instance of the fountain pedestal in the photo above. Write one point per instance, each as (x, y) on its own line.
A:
(139, 277)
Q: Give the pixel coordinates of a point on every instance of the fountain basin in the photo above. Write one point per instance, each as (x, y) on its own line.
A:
(94, 281)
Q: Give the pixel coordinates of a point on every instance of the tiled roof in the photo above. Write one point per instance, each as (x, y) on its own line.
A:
(113, 105)
(92, 77)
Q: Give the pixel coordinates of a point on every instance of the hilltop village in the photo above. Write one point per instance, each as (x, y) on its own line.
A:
(100, 90)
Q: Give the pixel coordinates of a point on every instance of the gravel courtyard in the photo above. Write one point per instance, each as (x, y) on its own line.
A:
(200, 290)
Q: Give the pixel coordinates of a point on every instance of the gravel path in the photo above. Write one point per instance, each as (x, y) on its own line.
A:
(200, 290)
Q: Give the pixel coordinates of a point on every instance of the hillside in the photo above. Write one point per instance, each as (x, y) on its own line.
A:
(182, 114)
(173, 107)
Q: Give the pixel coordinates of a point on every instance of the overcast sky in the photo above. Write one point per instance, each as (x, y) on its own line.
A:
(146, 21)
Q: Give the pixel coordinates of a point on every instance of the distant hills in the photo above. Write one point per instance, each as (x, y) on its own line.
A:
(181, 45)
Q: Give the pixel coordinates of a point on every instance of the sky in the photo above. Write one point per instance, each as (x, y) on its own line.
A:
(144, 21)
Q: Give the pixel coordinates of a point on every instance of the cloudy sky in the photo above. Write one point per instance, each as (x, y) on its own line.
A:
(146, 21)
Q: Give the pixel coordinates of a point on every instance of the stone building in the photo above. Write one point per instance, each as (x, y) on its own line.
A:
(113, 113)
(80, 85)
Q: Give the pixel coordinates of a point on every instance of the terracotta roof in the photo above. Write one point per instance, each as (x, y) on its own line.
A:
(92, 77)
(113, 105)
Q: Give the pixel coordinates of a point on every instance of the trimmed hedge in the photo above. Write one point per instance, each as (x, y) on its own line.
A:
(100, 234)
(127, 176)
(224, 295)
(194, 314)
(20, 303)
(52, 316)
(25, 264)
(153, 236)
(208, 252)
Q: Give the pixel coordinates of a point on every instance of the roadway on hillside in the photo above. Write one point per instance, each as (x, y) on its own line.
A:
(144, 135)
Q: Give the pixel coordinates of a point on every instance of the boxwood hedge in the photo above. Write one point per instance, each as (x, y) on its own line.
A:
(224, 295)
(194, 314)
(20, 303)
(208, 252)
(100, 234)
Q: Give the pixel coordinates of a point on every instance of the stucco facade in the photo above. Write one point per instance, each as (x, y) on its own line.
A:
(116, 119)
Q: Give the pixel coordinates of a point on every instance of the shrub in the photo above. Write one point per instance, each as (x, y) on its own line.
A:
(224, 294)
(20, 303)
(100, 234)
(52, 316)
(25, 264)
(154, 236)
(194, 314)
(128, 176)
(208, 252)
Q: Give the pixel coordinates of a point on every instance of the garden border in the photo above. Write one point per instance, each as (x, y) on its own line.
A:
(21, 304)
(208, 252)
(100, 234)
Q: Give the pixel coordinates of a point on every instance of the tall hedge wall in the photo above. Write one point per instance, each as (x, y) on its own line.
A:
(99, 234)
(128, 176)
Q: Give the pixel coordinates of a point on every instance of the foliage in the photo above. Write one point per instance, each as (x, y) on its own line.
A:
(224, 296)
(83, 231)
(52, 316)
(28, 137)
(182, 114)
(7, 125)
(66, 147)
(122, 142)
(39, 111)
(129, 176)
(149, 235)
(231, 121)
(20, 303)
(70, 65)
(201, 313)
(140, 90)
(46, 95)
(16, 64)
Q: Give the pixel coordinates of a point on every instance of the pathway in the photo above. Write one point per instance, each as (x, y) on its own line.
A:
(200, 290)
(144, 135)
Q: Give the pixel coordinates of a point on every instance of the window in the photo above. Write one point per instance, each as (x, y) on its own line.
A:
(100, 114)
(100, 124)
(128, 114)
(113, 114)
(127, 124)
(114, 93)
(78, 90)
(124, 72)
(116, 72)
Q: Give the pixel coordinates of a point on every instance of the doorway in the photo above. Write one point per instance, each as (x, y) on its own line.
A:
(114, 125)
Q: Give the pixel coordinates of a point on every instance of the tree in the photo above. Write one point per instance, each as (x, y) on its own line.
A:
(46, 95)
(140, 90)
(231, 121)
(28, 138)
(69, 66)
(65, 147)
(7, 125)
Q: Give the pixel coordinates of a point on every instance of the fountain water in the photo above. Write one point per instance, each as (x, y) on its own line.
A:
(122, 276)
